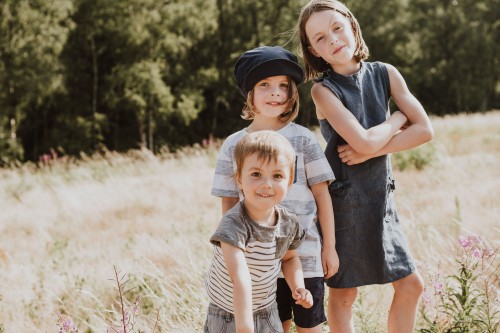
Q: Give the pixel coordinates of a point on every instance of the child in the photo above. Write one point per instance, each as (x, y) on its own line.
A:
(352, 99)
(254, 239)
(267, 78)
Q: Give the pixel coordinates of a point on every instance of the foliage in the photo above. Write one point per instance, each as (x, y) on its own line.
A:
(417, 158)
(80, 75)
(466, 302)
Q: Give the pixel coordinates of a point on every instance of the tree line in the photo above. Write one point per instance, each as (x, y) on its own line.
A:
(81, 75)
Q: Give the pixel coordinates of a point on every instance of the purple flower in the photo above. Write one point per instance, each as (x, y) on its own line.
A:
(438, 288)
(426, 297)
(468, 241)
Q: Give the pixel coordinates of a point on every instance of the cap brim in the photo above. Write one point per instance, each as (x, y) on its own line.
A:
(273, 67)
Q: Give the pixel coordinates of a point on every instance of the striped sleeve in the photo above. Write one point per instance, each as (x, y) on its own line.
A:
(224, 183)
(316, 165)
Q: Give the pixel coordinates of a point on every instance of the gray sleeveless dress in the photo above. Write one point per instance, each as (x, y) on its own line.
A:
(371, 246)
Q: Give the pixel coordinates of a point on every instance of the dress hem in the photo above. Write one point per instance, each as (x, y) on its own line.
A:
(355, 285)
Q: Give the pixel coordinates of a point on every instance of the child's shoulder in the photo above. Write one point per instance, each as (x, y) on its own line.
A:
(233, 139)
(294, 129)
(234, 217)
(288, 221)
(286, 215)
(375, 66)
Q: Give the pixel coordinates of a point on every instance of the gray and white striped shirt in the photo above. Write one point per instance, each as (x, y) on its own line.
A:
(311, 168)
(264, 248)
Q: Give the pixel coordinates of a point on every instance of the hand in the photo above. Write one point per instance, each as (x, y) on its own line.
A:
(330, 261)
(303, 297)
(350, 156)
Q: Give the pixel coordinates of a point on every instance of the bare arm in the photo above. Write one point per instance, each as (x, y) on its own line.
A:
(365, 141)
(242, 287)
(228, 203)
(418, 132)
(292, 270)
(329, 257)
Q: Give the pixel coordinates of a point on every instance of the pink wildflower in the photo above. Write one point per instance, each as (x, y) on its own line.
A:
(476, 253)
(426, 297)
(487, 253)
(469, 241)
(438, 288)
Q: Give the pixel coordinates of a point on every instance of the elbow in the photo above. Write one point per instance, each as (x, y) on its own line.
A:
(427, 133)
(367, 148)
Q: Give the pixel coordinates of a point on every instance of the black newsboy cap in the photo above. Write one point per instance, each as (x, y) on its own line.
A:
(265, 61)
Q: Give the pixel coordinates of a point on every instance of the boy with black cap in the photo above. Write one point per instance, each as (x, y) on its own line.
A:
(267, 78)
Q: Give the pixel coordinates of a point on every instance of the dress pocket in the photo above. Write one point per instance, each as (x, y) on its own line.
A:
(345, 203)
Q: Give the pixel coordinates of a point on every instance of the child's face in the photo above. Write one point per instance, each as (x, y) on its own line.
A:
(264, 183)
(270, 96)
(331, 37)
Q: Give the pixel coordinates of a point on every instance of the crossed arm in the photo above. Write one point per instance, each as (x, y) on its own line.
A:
(363, 144)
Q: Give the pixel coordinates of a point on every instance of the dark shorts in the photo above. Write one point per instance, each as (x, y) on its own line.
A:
(304, 318)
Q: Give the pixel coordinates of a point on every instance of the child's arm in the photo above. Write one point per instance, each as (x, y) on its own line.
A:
(292, 270)
(418, 132)
(329, 257)
(242, 287)
(420, 129)
(228, 203)
(365, 141)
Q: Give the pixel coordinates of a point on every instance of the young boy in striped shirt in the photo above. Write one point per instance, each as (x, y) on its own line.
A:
(254, 240)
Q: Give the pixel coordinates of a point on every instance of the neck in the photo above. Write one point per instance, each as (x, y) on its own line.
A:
(264, 217)
(265, 124)
(347, 69)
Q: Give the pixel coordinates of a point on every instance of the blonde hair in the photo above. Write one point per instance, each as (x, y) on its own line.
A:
(292, 107)
(315, 65)
(268, 145)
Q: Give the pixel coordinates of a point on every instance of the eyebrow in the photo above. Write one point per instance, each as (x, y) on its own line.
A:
(329, 25)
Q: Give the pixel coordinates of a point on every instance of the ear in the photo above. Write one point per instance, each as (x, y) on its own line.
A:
(238, 182)
(313, 51)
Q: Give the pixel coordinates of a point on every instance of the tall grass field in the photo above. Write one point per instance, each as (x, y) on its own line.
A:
(119, 242)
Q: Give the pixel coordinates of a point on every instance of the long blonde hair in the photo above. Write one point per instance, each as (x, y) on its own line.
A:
(315, 65)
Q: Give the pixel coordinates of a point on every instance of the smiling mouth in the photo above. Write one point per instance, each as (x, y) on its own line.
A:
(275, 103)
(263, 195)
(337, 50)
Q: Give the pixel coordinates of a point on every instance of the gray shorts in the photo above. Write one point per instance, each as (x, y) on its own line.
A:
(265, 320)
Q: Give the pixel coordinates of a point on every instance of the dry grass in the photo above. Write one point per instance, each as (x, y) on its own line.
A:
(63, 227)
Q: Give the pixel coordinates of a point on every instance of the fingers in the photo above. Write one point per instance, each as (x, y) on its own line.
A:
(342, 148)
(327, 270)
(331, 271)
(303, 297)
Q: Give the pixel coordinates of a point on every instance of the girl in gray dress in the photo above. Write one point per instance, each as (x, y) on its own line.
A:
(352, 103)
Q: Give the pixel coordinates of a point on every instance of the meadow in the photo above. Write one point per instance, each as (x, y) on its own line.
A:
(66, 225)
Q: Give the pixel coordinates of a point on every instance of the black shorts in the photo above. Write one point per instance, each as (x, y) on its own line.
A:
(304, 318)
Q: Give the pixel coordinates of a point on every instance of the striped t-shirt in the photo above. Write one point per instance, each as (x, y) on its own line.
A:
(264, 248)
(311, 168)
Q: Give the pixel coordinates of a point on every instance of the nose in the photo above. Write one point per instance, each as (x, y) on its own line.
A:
(266, 182)
(332, 37)
(275, 91)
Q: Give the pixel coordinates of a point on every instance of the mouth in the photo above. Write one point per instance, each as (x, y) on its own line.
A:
(275, 103)
(338, 49)
(264, 195)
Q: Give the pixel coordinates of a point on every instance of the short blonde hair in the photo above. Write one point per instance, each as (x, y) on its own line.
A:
(292, 107)
(268, 145)
(315, 65)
